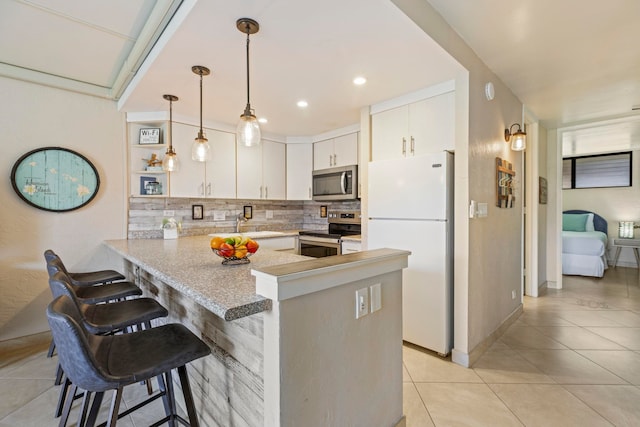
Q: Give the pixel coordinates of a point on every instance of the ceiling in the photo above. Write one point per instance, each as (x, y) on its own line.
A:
(568, 63)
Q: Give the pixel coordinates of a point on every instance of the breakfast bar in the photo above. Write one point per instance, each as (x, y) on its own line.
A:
(287, 348)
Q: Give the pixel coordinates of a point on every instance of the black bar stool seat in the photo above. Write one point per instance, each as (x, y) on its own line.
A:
(105, 318)
(87, 278)
(96, 294)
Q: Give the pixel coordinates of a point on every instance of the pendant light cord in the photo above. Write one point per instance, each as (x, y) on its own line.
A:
(170, 127)
(248, 109)
(201, 133)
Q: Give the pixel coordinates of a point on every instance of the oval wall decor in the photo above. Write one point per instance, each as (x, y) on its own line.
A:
(55, 179)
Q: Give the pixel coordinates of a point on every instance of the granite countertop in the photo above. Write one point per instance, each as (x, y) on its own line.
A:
(356, 238)
(188, 265)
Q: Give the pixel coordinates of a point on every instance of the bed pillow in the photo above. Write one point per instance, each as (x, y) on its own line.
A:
(588, 226)
(574, 222)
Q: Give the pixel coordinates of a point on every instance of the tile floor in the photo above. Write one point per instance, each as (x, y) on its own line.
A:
(571, 359)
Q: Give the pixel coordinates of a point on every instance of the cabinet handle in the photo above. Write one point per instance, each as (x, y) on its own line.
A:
(335, 159)
(404, 146)
(309, 192)
(201, 191)
(209, 189)
(413, 146)
(261, 191)
(266, 192)
(330, 160)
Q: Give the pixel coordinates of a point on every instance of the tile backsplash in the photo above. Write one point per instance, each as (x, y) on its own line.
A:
(146, 215)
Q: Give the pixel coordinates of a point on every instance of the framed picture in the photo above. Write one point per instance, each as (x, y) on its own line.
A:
(55, 179)
(323, 211)
(144, 180)
(149, 136)
(197, 212)
(543, 191)
(248, 212)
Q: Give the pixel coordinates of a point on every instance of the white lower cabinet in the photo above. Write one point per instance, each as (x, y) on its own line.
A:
(215, 178)
(287, 243)
(350, 246)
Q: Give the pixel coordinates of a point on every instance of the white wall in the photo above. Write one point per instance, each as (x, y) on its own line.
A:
(542, 209)
(33, 116)
(613, 204)
(483, 302)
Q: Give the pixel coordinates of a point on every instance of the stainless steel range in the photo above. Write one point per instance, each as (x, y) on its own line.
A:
(319, 244)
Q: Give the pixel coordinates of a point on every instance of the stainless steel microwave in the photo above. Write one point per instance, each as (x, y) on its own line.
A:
(336, 183)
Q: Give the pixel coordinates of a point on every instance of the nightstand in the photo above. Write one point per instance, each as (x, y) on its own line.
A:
(626, 243)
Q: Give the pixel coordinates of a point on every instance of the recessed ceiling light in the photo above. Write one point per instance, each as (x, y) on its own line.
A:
(359, 80)
(302, 103)
(263, 120)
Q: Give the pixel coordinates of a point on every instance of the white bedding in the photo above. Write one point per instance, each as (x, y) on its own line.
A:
(583, 253)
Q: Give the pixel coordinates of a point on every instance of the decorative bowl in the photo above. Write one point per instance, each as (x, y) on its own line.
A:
(234, 250)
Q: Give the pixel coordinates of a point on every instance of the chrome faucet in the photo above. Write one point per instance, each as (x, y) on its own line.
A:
(239, 219)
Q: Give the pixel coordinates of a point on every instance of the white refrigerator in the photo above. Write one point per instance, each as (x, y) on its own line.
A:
(411, 207)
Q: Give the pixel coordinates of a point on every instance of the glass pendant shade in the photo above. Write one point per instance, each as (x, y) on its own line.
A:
(200, 149)
(170, 162)
(519, 141)
(248, 131)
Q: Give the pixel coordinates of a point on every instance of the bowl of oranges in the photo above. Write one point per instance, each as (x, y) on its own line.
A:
(234, 250)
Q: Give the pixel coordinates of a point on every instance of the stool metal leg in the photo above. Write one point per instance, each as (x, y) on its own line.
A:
(171, 398)
(188, 397)
(64, 390)
(95, 408)
(52, 348)
(84, 408)
(59, 373)
(115, 407)
(67, 406)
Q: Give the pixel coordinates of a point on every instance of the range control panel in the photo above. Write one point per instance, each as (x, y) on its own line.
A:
(344, 217)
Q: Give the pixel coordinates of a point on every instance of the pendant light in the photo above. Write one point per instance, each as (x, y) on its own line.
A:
(248, 131)
(200, 150)
(170, 162)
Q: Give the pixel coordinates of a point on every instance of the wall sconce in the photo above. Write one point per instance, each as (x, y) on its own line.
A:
(519, 141)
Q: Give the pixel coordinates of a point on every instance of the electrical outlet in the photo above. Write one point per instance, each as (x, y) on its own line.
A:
(362, 302)
(513, 294)
(269, 214)
(168, 213)
(218, 216)
(376, 297)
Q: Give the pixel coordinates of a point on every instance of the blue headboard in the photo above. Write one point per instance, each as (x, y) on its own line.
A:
(599, 223)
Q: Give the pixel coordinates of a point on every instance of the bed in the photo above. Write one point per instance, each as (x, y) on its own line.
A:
(584, 243)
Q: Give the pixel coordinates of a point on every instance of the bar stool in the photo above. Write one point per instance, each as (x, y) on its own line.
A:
(103, 319)
(84, 278)
(98, 363)
(87, 293)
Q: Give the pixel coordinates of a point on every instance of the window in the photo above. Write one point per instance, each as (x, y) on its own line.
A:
(603, 170)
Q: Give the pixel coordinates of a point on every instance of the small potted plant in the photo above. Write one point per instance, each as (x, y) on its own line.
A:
(170, 227)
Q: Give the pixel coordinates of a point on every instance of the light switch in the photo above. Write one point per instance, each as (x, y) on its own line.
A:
(168, 213)
(362, 302)
(218, 215)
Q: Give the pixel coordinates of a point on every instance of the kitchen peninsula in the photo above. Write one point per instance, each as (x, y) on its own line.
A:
(287, 349)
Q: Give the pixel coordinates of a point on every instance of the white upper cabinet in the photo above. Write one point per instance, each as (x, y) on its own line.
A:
(299, 169)
(215, 178)
(335, 152)
(261, 171)
(274, 167)
(414, 129)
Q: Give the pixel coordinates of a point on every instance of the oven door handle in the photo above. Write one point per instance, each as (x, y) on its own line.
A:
(321, 240)
(343, 182)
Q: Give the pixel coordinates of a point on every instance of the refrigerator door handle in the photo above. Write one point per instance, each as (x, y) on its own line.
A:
(343, 182)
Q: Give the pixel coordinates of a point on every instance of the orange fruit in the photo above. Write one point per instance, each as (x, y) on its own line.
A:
(216, 242)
